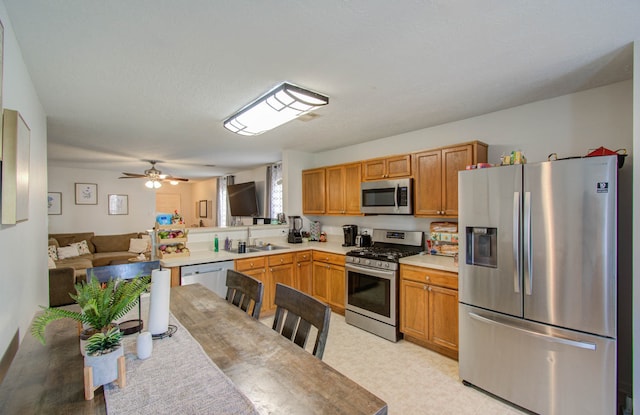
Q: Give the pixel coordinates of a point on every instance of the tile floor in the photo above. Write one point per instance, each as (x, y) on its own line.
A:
(411, 379)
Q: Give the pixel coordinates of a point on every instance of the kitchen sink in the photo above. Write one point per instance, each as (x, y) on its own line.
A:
(267, 247)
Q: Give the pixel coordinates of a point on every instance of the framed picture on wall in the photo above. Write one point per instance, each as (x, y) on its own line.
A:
(86, 194)
(202, 208)
(54, 203)
(118, 204)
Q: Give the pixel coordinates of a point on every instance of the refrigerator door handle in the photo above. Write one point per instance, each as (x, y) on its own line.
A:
(528, 269)
(548, 337)
(516, 238)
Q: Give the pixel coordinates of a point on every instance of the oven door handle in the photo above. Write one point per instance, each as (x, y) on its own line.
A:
(380, 273)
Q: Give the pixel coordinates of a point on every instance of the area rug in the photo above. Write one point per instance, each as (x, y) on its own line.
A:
(178, 378)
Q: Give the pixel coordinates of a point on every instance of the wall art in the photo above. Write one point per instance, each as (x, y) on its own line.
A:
(86, 194)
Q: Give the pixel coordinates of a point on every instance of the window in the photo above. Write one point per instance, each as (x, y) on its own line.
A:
(223, 218)
(276, 204)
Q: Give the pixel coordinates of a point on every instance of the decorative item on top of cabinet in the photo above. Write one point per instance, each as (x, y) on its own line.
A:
(171, 241)
(386, 167)
(329, 279)
(436, 177)
(313, 191)
(429, 308)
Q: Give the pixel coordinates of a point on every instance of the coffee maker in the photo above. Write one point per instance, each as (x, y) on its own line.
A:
(350, 232)
(295, 230)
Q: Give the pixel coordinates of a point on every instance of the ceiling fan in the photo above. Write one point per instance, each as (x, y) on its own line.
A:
(154, 176)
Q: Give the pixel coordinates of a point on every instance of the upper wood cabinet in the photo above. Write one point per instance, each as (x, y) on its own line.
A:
(387, 167)
(343, 189)
(436, 177)
(313, 191)
(332, 190)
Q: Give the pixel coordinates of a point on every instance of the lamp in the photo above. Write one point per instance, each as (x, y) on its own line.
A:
(280, 105)
(153, 184)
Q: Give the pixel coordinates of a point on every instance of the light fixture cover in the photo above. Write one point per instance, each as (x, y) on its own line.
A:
(280, 105)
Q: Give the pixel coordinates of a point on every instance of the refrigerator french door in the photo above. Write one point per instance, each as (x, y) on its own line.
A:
(538, 284)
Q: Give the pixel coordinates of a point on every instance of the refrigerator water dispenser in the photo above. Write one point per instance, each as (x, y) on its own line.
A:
(481, 246)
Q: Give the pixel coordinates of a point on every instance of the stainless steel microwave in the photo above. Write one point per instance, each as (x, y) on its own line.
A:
(387, 197)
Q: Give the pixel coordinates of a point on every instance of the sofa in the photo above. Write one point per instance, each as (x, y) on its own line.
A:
(86, 250)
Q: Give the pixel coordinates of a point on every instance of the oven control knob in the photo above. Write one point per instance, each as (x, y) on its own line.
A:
(367, 262)
(356, 260)
(379, 264)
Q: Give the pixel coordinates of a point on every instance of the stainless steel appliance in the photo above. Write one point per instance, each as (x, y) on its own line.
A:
(387, 197)
(295, 230)
(538, 284)
(372, 281)
(350, 233)
(212, 275)
(363, 240)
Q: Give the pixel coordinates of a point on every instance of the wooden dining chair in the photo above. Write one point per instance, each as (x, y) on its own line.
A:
(296, 312)
(242, 290)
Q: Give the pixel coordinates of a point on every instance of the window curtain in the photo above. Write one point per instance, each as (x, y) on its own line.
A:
(223, 201)
(274, 186)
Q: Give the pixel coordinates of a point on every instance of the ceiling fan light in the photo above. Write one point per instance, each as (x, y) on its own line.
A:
(156, 184)
(149, 184)
(280, 105)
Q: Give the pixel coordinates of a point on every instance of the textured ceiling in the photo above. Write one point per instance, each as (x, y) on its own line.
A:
(124, 81)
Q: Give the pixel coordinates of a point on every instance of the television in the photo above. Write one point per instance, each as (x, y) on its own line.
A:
(243, 200)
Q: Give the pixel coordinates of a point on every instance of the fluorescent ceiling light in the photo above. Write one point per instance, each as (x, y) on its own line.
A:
(280, 105)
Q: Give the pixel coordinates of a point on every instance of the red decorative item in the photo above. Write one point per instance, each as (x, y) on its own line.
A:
(602, 151)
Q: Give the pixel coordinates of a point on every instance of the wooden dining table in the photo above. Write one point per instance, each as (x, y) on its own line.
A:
(276, 375)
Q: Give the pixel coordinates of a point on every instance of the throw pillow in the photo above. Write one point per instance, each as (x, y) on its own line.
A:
(82, 247)
(53, 252)
(67, 252)
(51, 263)
(138, 246)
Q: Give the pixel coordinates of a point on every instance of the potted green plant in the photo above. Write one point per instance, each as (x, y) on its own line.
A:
(101, 305)
(102, 353)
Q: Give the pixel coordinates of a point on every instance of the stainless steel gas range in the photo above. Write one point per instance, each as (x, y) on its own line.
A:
(372, 281)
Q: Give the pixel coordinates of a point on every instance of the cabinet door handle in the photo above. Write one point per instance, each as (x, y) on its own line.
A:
(429, 288)
(426, 277)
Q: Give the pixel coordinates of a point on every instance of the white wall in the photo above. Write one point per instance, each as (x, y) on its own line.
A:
(636, 223)
(22, 246)
(95, 218)
(206, 190)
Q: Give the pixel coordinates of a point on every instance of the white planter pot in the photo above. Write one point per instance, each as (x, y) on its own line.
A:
(104, 367)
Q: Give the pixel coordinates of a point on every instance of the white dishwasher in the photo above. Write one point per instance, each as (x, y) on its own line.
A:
(212, 275)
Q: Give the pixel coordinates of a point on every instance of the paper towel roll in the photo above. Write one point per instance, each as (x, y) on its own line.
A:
(159, 302)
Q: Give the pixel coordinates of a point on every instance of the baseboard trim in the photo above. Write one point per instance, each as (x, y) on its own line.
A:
(9, 354)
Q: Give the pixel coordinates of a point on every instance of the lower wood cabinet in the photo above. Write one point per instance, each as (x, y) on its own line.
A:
(303, 272)
(319, 274)
(429, 308)
(329, 279)
(257, 268)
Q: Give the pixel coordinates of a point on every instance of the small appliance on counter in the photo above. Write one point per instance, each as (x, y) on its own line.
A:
(295, 230)
(363, 240)
(350, 233)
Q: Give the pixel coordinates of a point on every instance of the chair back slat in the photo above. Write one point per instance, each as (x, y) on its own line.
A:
(245, 292)
(302, 312)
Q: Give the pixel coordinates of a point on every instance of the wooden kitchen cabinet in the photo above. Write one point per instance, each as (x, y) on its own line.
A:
(436, 177)
(303, 272)
(257, 268)
(280, 270)
(329, 279)
(387, 167)
(429, 308)
(313, 191)
(343, 189)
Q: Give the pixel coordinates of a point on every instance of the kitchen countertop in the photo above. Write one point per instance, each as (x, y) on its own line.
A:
(203, 257)
(443, 263)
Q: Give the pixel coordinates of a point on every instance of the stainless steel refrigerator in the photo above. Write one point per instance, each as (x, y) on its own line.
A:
(537, 284)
